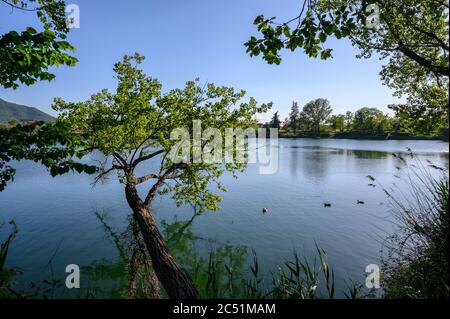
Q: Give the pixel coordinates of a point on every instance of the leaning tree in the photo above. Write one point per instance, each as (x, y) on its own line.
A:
(133, 126)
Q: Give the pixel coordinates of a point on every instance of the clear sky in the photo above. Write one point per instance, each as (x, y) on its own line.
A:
(183, 40)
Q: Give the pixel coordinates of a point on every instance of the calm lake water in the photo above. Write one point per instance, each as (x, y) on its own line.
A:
(56, 216)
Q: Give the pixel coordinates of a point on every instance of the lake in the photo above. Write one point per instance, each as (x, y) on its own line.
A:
(56, 217)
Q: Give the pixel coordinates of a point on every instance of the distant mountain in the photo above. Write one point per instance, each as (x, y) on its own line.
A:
(10, 111)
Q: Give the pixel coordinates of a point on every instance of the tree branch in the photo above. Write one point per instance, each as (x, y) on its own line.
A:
(441, 43)
(142, 144)
(145, 178)
(161, 179)
(120, 159)
(147, 157)
(18, 7)
(104, 173)
(423, 61)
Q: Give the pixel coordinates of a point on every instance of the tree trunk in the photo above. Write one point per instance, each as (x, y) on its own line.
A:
(154, 291)
(132, 290)
(150, 291)
(172, 276)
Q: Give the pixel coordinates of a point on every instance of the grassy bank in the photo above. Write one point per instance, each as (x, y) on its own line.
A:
(416, 263)
(367, 136)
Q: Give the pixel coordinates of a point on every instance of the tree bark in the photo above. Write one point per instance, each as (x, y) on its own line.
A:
(154, 291)
(442, 70)
(172, 276)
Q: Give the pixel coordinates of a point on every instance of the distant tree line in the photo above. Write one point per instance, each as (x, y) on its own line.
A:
(410, 37)
(316, 119)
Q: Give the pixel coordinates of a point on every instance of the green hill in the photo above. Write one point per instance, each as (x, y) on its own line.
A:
(10, 111)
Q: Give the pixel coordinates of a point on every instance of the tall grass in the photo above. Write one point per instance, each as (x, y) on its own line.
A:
(6, 273)
(416, 263)
(295, 279)
(226, 274)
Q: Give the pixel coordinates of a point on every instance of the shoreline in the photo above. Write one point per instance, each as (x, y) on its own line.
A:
(402, 137)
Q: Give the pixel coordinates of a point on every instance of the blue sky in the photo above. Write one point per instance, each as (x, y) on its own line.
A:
(183, 40)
